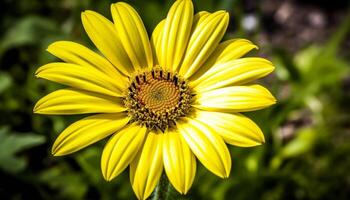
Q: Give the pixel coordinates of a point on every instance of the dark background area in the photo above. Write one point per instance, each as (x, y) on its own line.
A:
(306, 154)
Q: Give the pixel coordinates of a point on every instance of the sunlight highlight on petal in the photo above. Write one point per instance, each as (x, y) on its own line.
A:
(235, 99)
(235, 72)
(235, 128)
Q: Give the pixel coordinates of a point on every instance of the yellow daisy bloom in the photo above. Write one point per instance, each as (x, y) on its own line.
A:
(164, 101)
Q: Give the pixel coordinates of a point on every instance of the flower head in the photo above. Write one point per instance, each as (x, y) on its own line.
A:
(163, 101)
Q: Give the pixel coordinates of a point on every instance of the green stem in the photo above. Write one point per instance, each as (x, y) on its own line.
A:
(162, 190)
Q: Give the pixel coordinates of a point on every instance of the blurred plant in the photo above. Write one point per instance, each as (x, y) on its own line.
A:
(11, 144)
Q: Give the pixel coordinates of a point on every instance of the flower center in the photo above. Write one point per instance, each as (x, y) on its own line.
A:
(157, 98)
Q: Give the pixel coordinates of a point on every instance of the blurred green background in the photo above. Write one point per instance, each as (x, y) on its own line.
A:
(307, 149)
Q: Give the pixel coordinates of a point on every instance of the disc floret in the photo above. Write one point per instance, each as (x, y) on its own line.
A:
(157, 98)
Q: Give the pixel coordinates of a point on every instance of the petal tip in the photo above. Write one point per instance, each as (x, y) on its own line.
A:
(225, 174)
(88, 11)
(221, 12)
(120, 4)
(261, 140)
(36, 73)
(57, 150)
(85, 13)
(107, 178)
(53, 46)
(114, 6)
(107, 175)
(35, 110)
(273, 100)
(55, 153)
(184, 191)
(259, 143)
(273, 68)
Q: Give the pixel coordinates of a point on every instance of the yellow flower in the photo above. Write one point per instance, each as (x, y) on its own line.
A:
(164, 101)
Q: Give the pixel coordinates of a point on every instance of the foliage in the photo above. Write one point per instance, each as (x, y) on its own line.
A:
(10, 144)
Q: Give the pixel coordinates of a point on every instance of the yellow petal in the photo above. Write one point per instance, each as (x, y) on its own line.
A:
(204, 39)
(225, 52)
(81, 77)
(235, 129)
(72, 101)
(209, 148)
(156, 41)
(103, 34)
(230, 50)
(147, 167)
(235, 72)
(133, 35)
(121, 149)
(179, 162)
(176, 34)
(235, 99)
(198, 19)
(88, 131)
(75, 53)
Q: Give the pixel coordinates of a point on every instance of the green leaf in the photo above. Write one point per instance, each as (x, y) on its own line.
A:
(89, 161)
(11, 144)
(302, 144)
(28, 31)
(70, 184)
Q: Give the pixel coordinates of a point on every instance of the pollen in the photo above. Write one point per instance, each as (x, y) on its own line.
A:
(157, 98)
